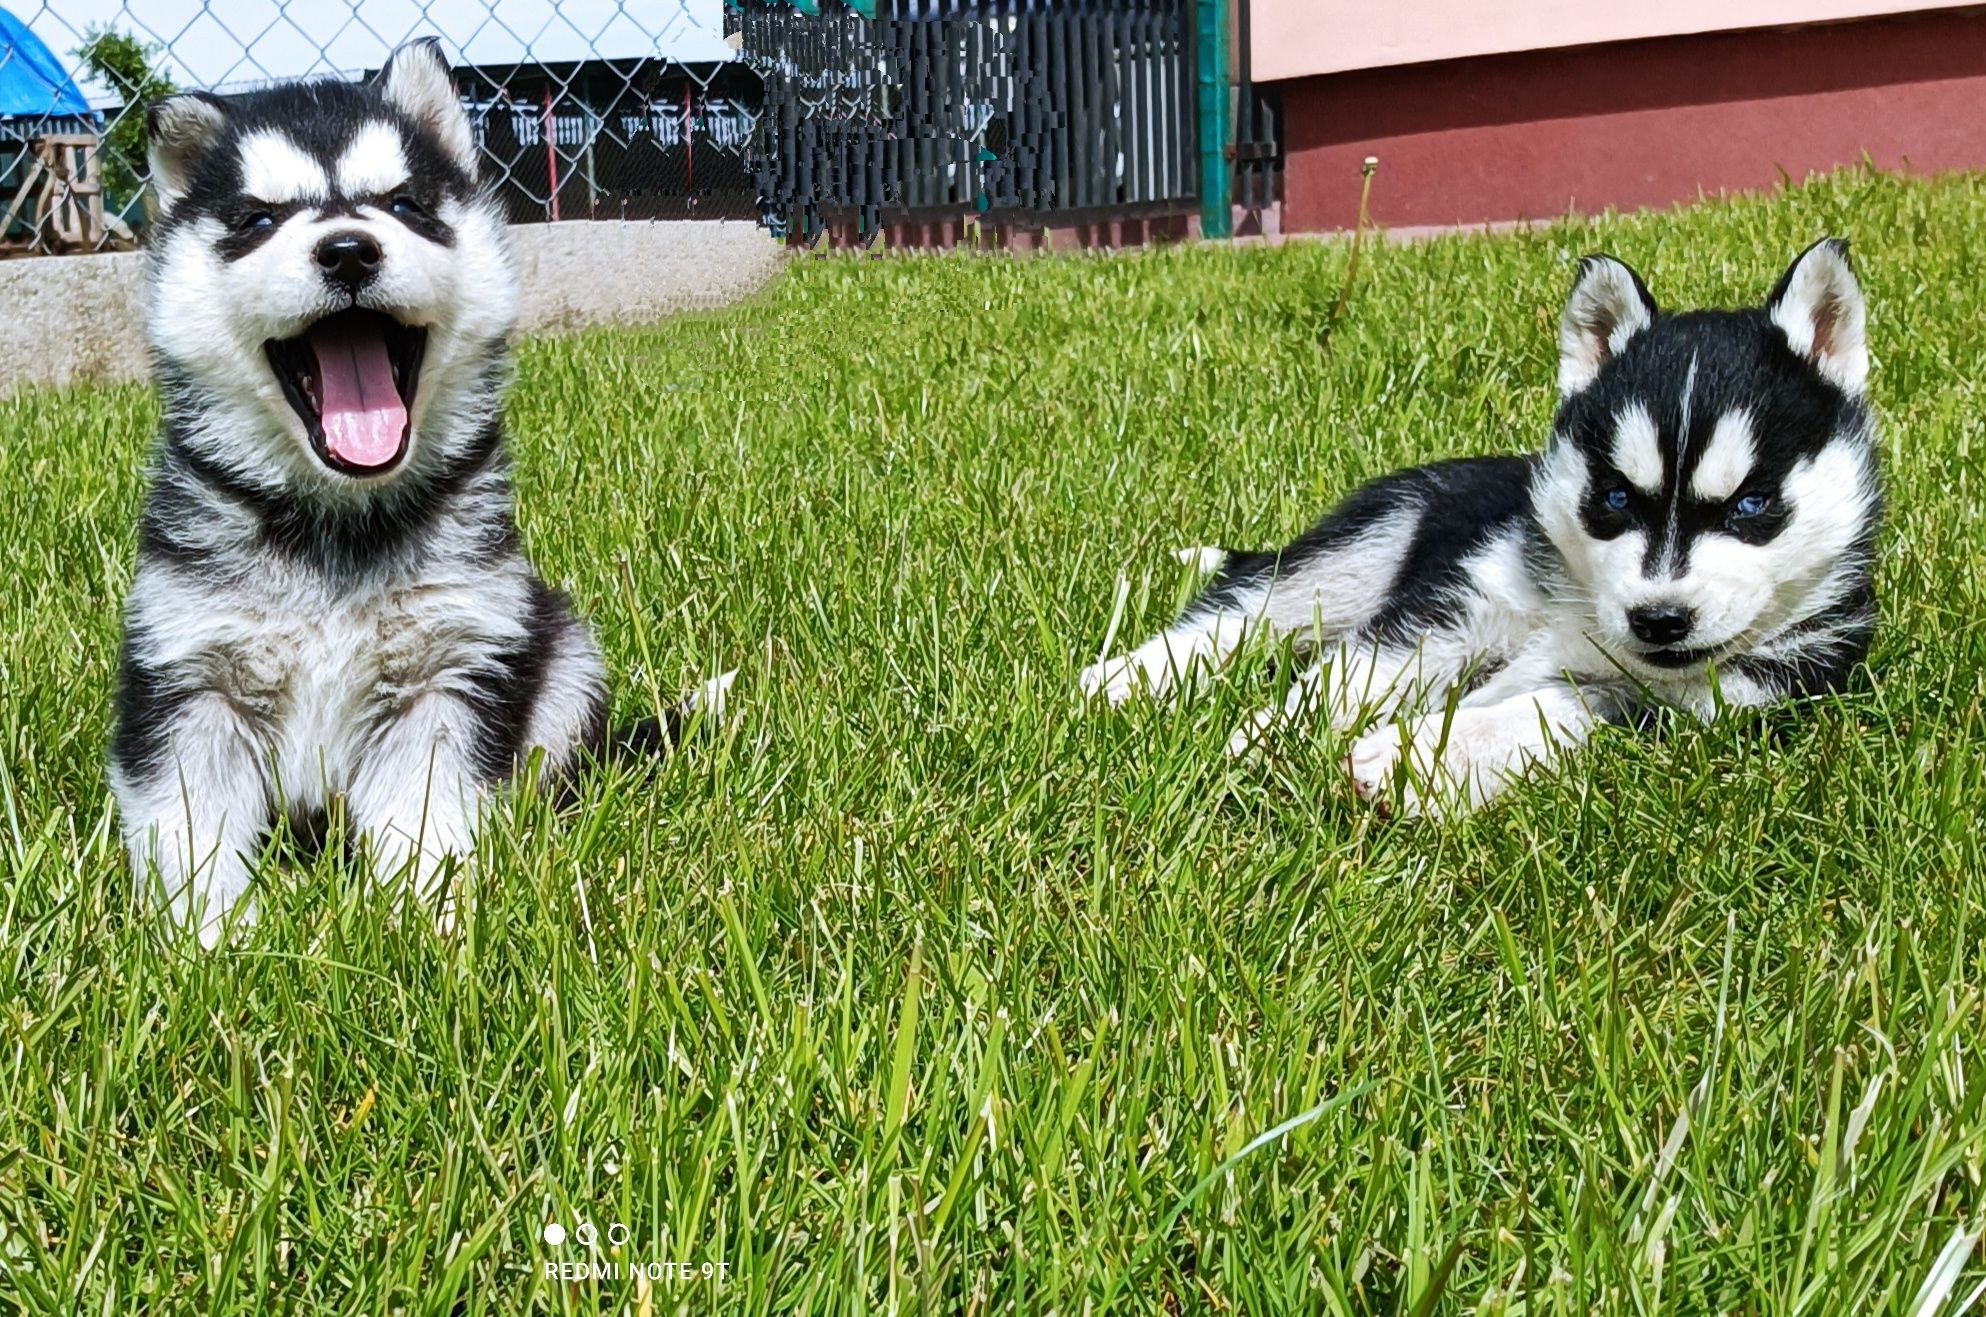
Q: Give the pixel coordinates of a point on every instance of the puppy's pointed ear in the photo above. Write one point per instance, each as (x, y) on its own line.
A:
(1609, 305)
(416, 82)
(178, 131)
(1818, 305)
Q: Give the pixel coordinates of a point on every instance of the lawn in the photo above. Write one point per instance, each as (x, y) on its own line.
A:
(921, 988)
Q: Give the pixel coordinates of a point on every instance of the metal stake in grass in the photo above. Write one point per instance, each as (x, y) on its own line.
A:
(1366, 172)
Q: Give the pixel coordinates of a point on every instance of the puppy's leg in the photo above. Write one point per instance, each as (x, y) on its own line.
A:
(1328, 584)
(1257, 727)
(417, 797)
(1199, 641)
(1459, 762)
(1357, 682)
(194, 800)
(570, 708)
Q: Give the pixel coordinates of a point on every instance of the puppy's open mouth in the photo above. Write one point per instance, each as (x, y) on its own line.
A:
(351, 378)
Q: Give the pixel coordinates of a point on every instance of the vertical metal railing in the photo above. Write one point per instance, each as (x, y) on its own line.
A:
(1028, 111)
(1258, 129)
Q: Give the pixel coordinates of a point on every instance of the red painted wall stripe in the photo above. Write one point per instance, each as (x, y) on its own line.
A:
(1634, 124)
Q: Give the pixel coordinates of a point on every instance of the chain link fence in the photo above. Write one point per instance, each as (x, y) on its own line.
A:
(810, 116)
(583, 108)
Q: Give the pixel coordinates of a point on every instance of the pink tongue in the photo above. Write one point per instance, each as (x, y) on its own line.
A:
(361, 409)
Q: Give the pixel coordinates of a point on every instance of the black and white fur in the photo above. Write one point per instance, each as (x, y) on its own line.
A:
(297, 628)
(1698, 533)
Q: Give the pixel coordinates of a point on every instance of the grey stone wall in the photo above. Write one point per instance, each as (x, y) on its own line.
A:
(68, 318)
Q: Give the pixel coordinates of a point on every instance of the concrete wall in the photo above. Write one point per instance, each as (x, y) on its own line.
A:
(65, 318)
(1532, 134)
(1301, 38)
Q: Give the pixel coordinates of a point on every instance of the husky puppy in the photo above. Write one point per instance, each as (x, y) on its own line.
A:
(1697, 533)
(330, 598)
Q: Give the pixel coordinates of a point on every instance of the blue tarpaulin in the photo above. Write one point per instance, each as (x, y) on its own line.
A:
(33, 83)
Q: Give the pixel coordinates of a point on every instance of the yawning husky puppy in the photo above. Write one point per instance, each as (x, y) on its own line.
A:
(1698, 532)
(330, 597)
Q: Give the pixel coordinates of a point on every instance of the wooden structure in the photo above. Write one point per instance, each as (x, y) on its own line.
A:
(60, 200)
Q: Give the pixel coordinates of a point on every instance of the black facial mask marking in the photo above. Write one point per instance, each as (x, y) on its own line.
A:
(320, 120)
(1733, 360)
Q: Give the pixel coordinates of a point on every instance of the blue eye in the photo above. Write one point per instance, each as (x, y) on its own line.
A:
(1615, 499)
(407, 208)
(1751, 505)
(260, 219)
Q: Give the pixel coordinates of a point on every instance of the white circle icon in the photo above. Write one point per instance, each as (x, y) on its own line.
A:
(586, 1234)
(554, 1234)
(622, 1237)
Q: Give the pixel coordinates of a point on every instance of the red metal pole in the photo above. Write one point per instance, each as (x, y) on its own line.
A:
(551, 155)
(689, 149)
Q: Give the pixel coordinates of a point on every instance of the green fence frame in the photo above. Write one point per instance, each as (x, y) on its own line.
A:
(1216, 121)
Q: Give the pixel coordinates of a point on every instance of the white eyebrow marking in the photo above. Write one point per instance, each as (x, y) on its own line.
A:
(1682, 434)
(1638, 448)
(1667, 564)
(1726, 460)
(373, 163)
(276, 170)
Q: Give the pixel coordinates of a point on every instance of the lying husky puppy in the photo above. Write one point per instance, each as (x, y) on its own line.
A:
(1699, 531)
(330, 596)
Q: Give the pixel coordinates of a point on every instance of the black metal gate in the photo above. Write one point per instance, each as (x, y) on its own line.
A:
(1258, 134)
(1027, 112)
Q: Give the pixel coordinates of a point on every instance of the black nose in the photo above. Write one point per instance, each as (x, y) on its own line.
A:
(349, 259)
(1660, 624)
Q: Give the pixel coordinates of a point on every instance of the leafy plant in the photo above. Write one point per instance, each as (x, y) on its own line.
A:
(128, 67)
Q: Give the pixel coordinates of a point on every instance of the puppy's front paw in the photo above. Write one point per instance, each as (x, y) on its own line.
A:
(209, 899)
(432, 867)
(219, 924)
(1372, 762)
(1117, 680)
(1454, 763)
(1254, 732)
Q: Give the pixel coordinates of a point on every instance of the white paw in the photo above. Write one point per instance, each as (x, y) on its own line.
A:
(1117, 680)
(212, 903)
(1371, 763)
(1203, 558)
(218, 924)
(710, 698)
(432, 867)
(1453, 763)
(1254, 732)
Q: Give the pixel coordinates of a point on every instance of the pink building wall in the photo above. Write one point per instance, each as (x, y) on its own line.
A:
(1298, 38)
(1530, 133)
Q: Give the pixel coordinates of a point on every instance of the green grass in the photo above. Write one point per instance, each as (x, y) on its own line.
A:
(920, 989)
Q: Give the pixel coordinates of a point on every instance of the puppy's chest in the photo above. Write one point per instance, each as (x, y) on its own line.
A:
(318, 675)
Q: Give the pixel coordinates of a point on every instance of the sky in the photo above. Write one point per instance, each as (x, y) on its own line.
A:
(216, 43)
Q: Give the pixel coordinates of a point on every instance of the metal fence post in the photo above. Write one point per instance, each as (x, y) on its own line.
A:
(1216, 174)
